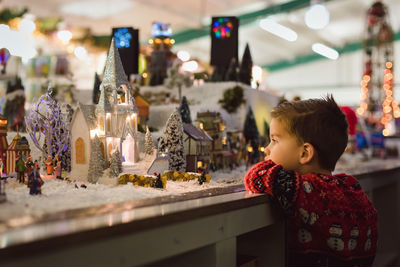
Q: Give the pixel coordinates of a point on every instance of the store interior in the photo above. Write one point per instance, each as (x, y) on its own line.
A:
(91, 92)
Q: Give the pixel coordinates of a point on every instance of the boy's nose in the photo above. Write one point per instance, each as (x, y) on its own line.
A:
(267, 152)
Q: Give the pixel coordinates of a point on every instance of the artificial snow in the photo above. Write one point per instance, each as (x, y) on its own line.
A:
(58, 195)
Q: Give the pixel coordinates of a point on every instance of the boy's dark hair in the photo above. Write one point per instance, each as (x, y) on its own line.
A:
(319, 122)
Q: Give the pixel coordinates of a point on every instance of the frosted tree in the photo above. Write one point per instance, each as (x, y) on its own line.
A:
(148, 143)
(177, 79)
(116, 164)
(172, 142)
(96, 162)
(185, 111)
(47, 121)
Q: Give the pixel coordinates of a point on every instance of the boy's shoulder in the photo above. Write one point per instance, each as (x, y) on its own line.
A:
(340, 181)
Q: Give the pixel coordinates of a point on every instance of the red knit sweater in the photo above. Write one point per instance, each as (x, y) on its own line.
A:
(330, 218)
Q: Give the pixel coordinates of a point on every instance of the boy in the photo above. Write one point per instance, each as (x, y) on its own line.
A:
(331, 222)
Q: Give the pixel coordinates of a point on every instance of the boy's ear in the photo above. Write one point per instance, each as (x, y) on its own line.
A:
(307, 153)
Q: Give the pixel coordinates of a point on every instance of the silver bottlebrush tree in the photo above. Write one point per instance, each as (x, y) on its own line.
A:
(172, 142)
(116, 164)
(148, 143)
(97, 162)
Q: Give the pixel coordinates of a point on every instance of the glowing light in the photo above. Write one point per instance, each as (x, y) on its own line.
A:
(325, 51)
(279, 30)
(183, 55)
(190, 66)
(80, 52)
(257, 73)
(64, 36)
(250, 149)
(389, 65)
(317, 17)
(385, 132)
(27, 25)
(151, 41)
(172, 41)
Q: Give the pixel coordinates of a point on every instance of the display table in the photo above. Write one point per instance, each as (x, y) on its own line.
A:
(206, 228)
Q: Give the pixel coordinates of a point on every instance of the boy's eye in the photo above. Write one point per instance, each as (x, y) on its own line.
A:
(273, 140)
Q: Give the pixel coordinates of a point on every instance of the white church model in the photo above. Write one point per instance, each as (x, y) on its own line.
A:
(113, 120)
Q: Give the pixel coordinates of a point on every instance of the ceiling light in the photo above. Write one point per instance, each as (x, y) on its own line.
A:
(279, 30)
(183, 55)
(96, 8)
(317, 16)
(325, 51)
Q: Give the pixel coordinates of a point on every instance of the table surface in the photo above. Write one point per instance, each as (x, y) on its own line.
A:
(116, 218)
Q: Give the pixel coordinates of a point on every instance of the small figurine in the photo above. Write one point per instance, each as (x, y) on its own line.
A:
(1, 167)
(35, 182)
(158, 183)
(2, 182)
(49, 166)
(20, 169)
(29, 166)
(58, 170)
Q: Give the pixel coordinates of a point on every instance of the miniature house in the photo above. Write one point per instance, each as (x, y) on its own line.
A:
(113, 120)
(197, 147)
(213, 124)
(143, 106)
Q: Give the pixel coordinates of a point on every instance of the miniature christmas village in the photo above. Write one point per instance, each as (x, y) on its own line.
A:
(89, 154)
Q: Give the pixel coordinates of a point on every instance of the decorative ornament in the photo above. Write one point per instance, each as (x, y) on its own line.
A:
(377, 96)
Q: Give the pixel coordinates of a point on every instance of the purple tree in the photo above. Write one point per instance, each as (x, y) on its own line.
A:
(47, 121)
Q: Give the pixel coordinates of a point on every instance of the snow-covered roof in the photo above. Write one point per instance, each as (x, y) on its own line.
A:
(88, 114)
(195, 132)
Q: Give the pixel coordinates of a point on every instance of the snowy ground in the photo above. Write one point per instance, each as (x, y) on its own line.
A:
(59, 195)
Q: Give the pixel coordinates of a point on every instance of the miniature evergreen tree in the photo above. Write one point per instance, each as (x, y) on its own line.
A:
(245, 72)
(47, 120)
(96, 162)
(231, 73)
(232, 99)
(177, 79)
(148, 143)
(185, 111)
(96, 89)
(172, 142)
(252, 135)
(116, 164)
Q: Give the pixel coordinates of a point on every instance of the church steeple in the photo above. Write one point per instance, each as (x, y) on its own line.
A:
(114, 74)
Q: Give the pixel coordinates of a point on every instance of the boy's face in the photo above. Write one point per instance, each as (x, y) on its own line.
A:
(284, 148)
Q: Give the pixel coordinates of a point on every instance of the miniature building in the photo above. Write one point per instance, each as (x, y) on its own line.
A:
(213, 124)
(197, 147)
(113, 119)
(18, 146)
(143, 106)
